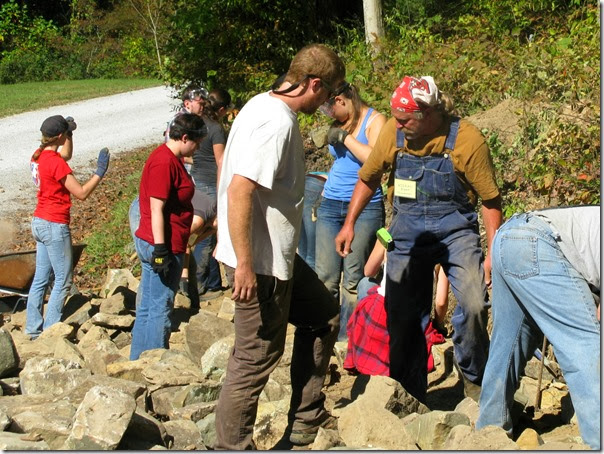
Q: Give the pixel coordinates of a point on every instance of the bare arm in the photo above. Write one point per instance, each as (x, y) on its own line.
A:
(375, 260)
(200, 229)
(80, 192)
(157, 220)
(360, 150)
(492, 217)
(363, 191)
(239, 200)
(67, 149)
(441, 300)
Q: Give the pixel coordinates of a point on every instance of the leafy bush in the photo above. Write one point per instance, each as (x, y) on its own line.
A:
(544, 53)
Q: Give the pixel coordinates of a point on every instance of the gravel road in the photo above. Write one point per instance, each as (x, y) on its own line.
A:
(119, 122)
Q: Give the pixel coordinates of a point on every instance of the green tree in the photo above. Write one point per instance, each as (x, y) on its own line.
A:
(246, 43)
(154, 13)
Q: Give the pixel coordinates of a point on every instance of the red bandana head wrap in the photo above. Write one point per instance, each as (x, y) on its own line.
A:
(411, 90)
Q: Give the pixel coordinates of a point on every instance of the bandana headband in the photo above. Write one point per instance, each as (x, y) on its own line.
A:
(411, 91)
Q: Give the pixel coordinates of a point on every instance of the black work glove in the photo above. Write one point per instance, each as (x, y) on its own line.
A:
(102, 163)
(336, 135)
(71, 122)
(161, 260)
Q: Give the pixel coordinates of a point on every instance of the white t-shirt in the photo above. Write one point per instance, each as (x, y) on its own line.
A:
(265, 145)
(579, 229)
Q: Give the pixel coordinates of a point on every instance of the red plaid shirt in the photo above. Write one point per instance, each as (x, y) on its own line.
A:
(368, 338)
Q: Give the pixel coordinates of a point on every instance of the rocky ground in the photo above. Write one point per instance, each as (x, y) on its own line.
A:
(74, 388)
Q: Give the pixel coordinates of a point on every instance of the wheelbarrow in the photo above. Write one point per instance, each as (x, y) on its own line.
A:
(17, 271)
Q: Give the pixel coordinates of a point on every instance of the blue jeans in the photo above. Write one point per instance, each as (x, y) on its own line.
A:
(333, 269)
(208, 270)
(536, 292)
(53, 254)
(313, 187)
(421, 242)
(134, 219)
(152, 325)
(134, 216)
(364, 286)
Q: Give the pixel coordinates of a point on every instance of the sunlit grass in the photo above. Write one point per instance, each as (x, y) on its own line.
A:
(18, 98)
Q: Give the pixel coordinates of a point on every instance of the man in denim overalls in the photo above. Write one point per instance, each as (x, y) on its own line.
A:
(440, 166)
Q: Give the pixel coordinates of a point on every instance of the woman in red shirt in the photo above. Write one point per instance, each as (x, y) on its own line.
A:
(50, 224)
(166, 213)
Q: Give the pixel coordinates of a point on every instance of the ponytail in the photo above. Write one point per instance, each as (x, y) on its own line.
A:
(44, 142)
(217, 99)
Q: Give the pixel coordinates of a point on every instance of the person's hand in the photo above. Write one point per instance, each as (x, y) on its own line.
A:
(336, 135)
(344, 240)
(487, 271)
(245, 285)
(102, 163)
(161, 260)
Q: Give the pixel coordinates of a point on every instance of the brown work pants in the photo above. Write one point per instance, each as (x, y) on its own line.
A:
(260, 330)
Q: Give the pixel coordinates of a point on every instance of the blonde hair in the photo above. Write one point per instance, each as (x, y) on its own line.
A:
(317, 60)
(446, 104)
(44, 142)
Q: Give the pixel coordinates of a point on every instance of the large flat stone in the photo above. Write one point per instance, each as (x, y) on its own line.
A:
(203, 329)
(101, 419)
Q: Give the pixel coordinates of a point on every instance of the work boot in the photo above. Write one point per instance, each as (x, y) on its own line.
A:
(307, 436)
(471, 390)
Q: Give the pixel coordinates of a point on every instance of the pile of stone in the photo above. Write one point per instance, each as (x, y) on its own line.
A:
(74, 388)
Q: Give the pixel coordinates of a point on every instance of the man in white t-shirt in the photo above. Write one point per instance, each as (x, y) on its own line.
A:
(260, 198)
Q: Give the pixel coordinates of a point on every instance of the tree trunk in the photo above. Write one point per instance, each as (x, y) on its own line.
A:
(374, 27)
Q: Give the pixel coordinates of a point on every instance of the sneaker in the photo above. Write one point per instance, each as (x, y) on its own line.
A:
(308, 435)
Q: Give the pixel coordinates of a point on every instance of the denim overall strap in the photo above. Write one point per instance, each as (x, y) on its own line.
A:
(452, 136)
(438, 189)
(400, 139)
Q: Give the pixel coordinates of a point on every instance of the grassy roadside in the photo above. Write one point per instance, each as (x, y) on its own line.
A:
(102, 221)
(25, 97)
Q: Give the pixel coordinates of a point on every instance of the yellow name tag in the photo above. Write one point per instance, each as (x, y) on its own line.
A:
(405, 188)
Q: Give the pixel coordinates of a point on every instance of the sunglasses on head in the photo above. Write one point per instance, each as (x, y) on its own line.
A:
(198, 93)
(292, 87)
(338, 91)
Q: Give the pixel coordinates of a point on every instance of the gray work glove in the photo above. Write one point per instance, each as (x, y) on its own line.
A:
(72, 124)
(336, 135)
(102, 163)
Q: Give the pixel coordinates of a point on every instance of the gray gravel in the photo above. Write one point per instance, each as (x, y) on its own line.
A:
(119, 122)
